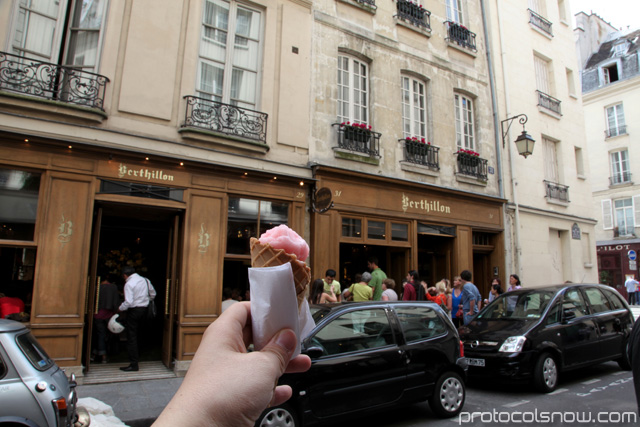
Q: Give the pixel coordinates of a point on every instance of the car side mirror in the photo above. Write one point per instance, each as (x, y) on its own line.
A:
(568, 314)
(313, 352)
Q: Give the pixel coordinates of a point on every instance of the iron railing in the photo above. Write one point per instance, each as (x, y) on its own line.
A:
(540, 22)
(368, 3)
(360, 140)
(473, 166)
(620, 178)
(615, 131)
(549, 102)
(413, 13)
(422, 154)
(460, 35)
(557, 191)
(228, 119)
(49, 81)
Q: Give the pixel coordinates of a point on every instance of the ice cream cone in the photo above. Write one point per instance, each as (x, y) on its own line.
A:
(267, 256)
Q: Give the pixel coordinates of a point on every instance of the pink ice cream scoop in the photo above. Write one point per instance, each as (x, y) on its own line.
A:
(282, 237)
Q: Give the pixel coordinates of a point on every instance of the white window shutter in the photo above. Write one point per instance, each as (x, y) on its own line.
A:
(607, 215)
(636, 210)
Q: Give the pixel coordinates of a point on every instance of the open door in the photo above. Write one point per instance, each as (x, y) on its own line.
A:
(93, 287)
(171, 292)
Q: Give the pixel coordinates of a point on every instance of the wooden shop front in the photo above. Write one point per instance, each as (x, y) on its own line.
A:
(406, 225)
(72, 216)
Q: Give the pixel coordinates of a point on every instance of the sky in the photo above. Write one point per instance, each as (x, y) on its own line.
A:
(619, 13)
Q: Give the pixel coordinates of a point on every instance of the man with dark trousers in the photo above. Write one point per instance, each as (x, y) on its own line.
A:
(138, 291)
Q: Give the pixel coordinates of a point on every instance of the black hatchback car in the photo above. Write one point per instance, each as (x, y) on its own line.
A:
(534, 334)
(373, 356)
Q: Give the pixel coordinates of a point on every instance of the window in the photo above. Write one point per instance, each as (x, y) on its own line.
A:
(574, 303)
(610, 73)
(538, 6)
(562, 10)
(615, 299)
(353, 92)
(620, 49)
(464, 122)
(39, 31)
(414, 113)
(543, 76)
(586, 248)
(419, 323)
(615, 121)
(550, 160)
(620, 167)
(230, 50)
(597, 300)
(351, 227)
(623, 209)
(579, 162)
(571, 84)
(250, 218)
(454, 11)
(18, 204)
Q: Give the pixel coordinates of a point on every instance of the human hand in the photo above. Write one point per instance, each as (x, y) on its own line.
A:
(227, 386)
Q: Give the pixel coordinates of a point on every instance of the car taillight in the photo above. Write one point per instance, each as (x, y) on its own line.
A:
(461, 349)
(60, 408)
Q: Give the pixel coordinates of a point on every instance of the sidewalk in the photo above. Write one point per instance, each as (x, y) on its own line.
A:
(136, 403)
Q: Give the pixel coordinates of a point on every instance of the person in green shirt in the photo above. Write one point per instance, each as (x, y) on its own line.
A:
(330, 282)
(377, 276)
(361, 291)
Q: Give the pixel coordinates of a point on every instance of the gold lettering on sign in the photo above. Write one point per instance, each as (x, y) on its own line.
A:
(425, 205)
(144, 173)
(203, 240)
(338, 193)
(65, 230)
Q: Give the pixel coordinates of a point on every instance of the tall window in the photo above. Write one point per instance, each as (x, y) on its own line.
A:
(414, 113)
(615, 120)
(610, 73)
(579, 162)
(538, 6)
(464, 122)
(353, 90)
(571, 84)
(543, 80)
(230, 53)
(624, 216)
(454, 11)
(562, 10)
(550, 160)
(39, 31)
(620, 167)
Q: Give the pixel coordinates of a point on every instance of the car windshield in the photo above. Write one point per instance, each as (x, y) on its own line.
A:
(318, 313)
(34, 352)
(518, 305)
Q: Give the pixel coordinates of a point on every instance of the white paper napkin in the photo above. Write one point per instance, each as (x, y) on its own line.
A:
(274, 305)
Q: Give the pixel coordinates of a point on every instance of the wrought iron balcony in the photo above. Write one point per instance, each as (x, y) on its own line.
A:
(460, 35)
(413, 13)
(49, 81)
(422, 154)
(473, 166)
(557, 191)
(549, 102)
(540, 22)
(624, 231)
(616, 131)
(358, 139)
(228, 119)
(620, 178)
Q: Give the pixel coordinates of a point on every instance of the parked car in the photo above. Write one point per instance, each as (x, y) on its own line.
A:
(373, 356)
(535, 334)
(35, 391)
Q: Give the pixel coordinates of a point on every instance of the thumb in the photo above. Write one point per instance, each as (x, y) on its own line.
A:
(282, 346)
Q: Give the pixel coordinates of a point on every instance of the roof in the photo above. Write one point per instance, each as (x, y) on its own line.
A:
(7, 325)
(605, 51)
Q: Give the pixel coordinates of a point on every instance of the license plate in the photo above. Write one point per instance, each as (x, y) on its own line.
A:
(475, 362)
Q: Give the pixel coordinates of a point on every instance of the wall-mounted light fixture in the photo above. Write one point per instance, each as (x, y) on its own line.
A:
(524, 141)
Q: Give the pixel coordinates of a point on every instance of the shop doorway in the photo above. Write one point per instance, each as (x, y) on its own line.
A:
(435, 258)
(148, 238)
(354, 257)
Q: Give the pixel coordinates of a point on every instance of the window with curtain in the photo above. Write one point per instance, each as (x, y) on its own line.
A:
(620, 167)
(550, 160)
(615, 120)
(353, 90)
(454, 11)
(464, 122)
(414, 110)
(39, 30)
(230, 50)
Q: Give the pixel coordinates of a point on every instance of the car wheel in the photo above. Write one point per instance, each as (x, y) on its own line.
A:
(448, 396)
(623, 361)
(280, 416)
(545, 375)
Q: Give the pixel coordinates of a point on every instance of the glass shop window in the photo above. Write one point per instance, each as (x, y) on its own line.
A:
(18, 204)
(250, 218)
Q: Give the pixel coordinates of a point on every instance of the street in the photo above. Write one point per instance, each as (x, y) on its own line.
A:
(597, 395)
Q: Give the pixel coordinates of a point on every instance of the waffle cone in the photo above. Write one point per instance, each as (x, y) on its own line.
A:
(267, 256)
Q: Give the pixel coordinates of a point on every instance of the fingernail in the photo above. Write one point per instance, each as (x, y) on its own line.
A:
(287, 339)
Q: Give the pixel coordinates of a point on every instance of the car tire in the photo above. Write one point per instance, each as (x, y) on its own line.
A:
(545, 374)
(448, 395)
(623, 361)
(279, 416)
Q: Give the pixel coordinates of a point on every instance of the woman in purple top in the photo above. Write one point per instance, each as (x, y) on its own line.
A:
(514, 283)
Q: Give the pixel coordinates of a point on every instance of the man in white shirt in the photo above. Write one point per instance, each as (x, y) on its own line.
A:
(632, 287)
(137, 293)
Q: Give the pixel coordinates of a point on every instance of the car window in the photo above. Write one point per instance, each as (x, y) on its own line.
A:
(354, 331)
(555, 315)
(615, 299)
(419, 323)
(521, 305)
(34, 352)
(573, 302)
(3, 367)
(597, 300)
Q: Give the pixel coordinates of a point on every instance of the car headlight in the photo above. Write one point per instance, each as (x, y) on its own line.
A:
(512, 345)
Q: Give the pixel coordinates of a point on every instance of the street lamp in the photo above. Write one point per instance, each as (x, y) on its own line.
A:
(524, 141)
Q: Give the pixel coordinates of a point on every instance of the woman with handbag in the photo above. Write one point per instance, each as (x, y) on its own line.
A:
(456, 302)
